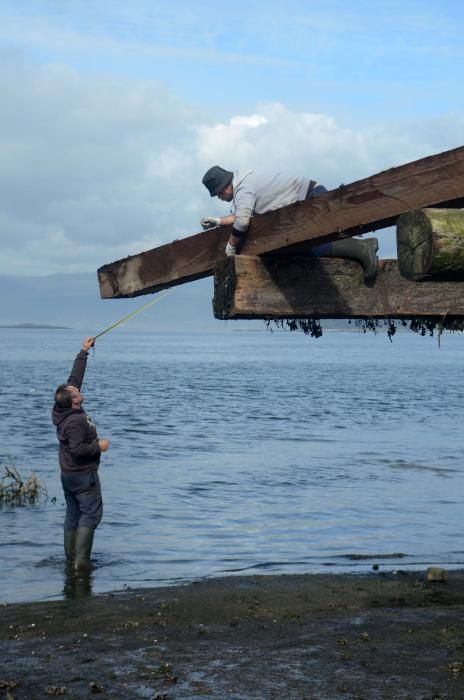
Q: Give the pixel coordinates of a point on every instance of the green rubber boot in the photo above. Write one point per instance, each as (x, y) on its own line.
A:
(69, 545)
(83, 547)
(364, 252)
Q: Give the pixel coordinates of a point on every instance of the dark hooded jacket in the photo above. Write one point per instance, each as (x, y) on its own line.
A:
(79, 450)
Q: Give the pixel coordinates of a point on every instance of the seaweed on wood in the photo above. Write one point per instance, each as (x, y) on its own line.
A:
(424, 327)
(308, 326)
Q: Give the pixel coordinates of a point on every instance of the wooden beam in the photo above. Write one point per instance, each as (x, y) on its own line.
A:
(250, 287)
(365, 205)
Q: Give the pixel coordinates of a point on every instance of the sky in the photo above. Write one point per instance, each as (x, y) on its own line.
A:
(111, 112)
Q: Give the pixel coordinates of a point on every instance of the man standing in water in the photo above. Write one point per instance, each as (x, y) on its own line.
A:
(79, 457)
(252, 192)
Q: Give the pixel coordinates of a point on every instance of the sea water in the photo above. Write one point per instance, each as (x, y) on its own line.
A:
(240, 452)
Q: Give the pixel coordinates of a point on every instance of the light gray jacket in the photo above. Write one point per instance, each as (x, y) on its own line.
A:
(260, 192)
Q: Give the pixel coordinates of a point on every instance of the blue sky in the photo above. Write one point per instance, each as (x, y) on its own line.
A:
(112, 111)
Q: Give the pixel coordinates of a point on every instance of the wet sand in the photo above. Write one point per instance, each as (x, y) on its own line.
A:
(310, 636)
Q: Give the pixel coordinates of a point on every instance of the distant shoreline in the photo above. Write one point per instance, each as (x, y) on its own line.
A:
(35, 326)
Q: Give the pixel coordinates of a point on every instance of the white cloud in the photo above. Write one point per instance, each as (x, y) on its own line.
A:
(94, 169)
(234, 140)
(316, 144)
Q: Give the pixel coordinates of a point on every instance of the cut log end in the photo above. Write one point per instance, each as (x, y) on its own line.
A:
(431, 244)
(414, 244)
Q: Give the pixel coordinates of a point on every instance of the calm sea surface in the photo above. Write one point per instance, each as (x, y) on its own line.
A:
(240, 452)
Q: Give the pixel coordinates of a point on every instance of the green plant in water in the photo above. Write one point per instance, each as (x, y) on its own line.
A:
(15, 489)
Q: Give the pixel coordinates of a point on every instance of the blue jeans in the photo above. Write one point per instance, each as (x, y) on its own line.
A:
(324, 249)
(84, 505)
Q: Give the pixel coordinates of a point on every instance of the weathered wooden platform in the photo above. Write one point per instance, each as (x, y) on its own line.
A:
(250, 287)
(366, 205)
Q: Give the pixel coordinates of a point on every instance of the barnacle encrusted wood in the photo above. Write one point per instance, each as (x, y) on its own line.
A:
(370, 204)
(250, 287)
(430, 242)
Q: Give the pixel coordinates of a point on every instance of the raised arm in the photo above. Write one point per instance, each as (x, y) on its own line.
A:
(78, 369)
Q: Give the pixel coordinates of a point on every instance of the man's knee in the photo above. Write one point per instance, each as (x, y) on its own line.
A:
(90, 502)
(71, 520)
(92, 516)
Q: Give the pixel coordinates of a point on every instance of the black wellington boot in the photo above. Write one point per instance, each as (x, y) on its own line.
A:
(84, 542)
(364, 252)
(69, 545)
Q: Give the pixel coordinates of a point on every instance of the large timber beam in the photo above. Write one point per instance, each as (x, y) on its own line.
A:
(365, 205)
(250, 287)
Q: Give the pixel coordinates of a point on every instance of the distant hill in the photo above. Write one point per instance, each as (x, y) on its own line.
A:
(32, 326)
(73, 301)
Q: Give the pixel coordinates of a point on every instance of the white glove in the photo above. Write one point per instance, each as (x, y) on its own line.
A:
(210, 222)
(231, 250)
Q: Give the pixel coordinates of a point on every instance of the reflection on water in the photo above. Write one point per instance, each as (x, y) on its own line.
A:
(77, 584)
(240, 452)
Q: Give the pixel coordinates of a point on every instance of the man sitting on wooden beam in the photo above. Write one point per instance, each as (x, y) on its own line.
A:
(252, 192)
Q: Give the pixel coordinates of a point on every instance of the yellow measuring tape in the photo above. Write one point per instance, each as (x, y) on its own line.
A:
(133, 313)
